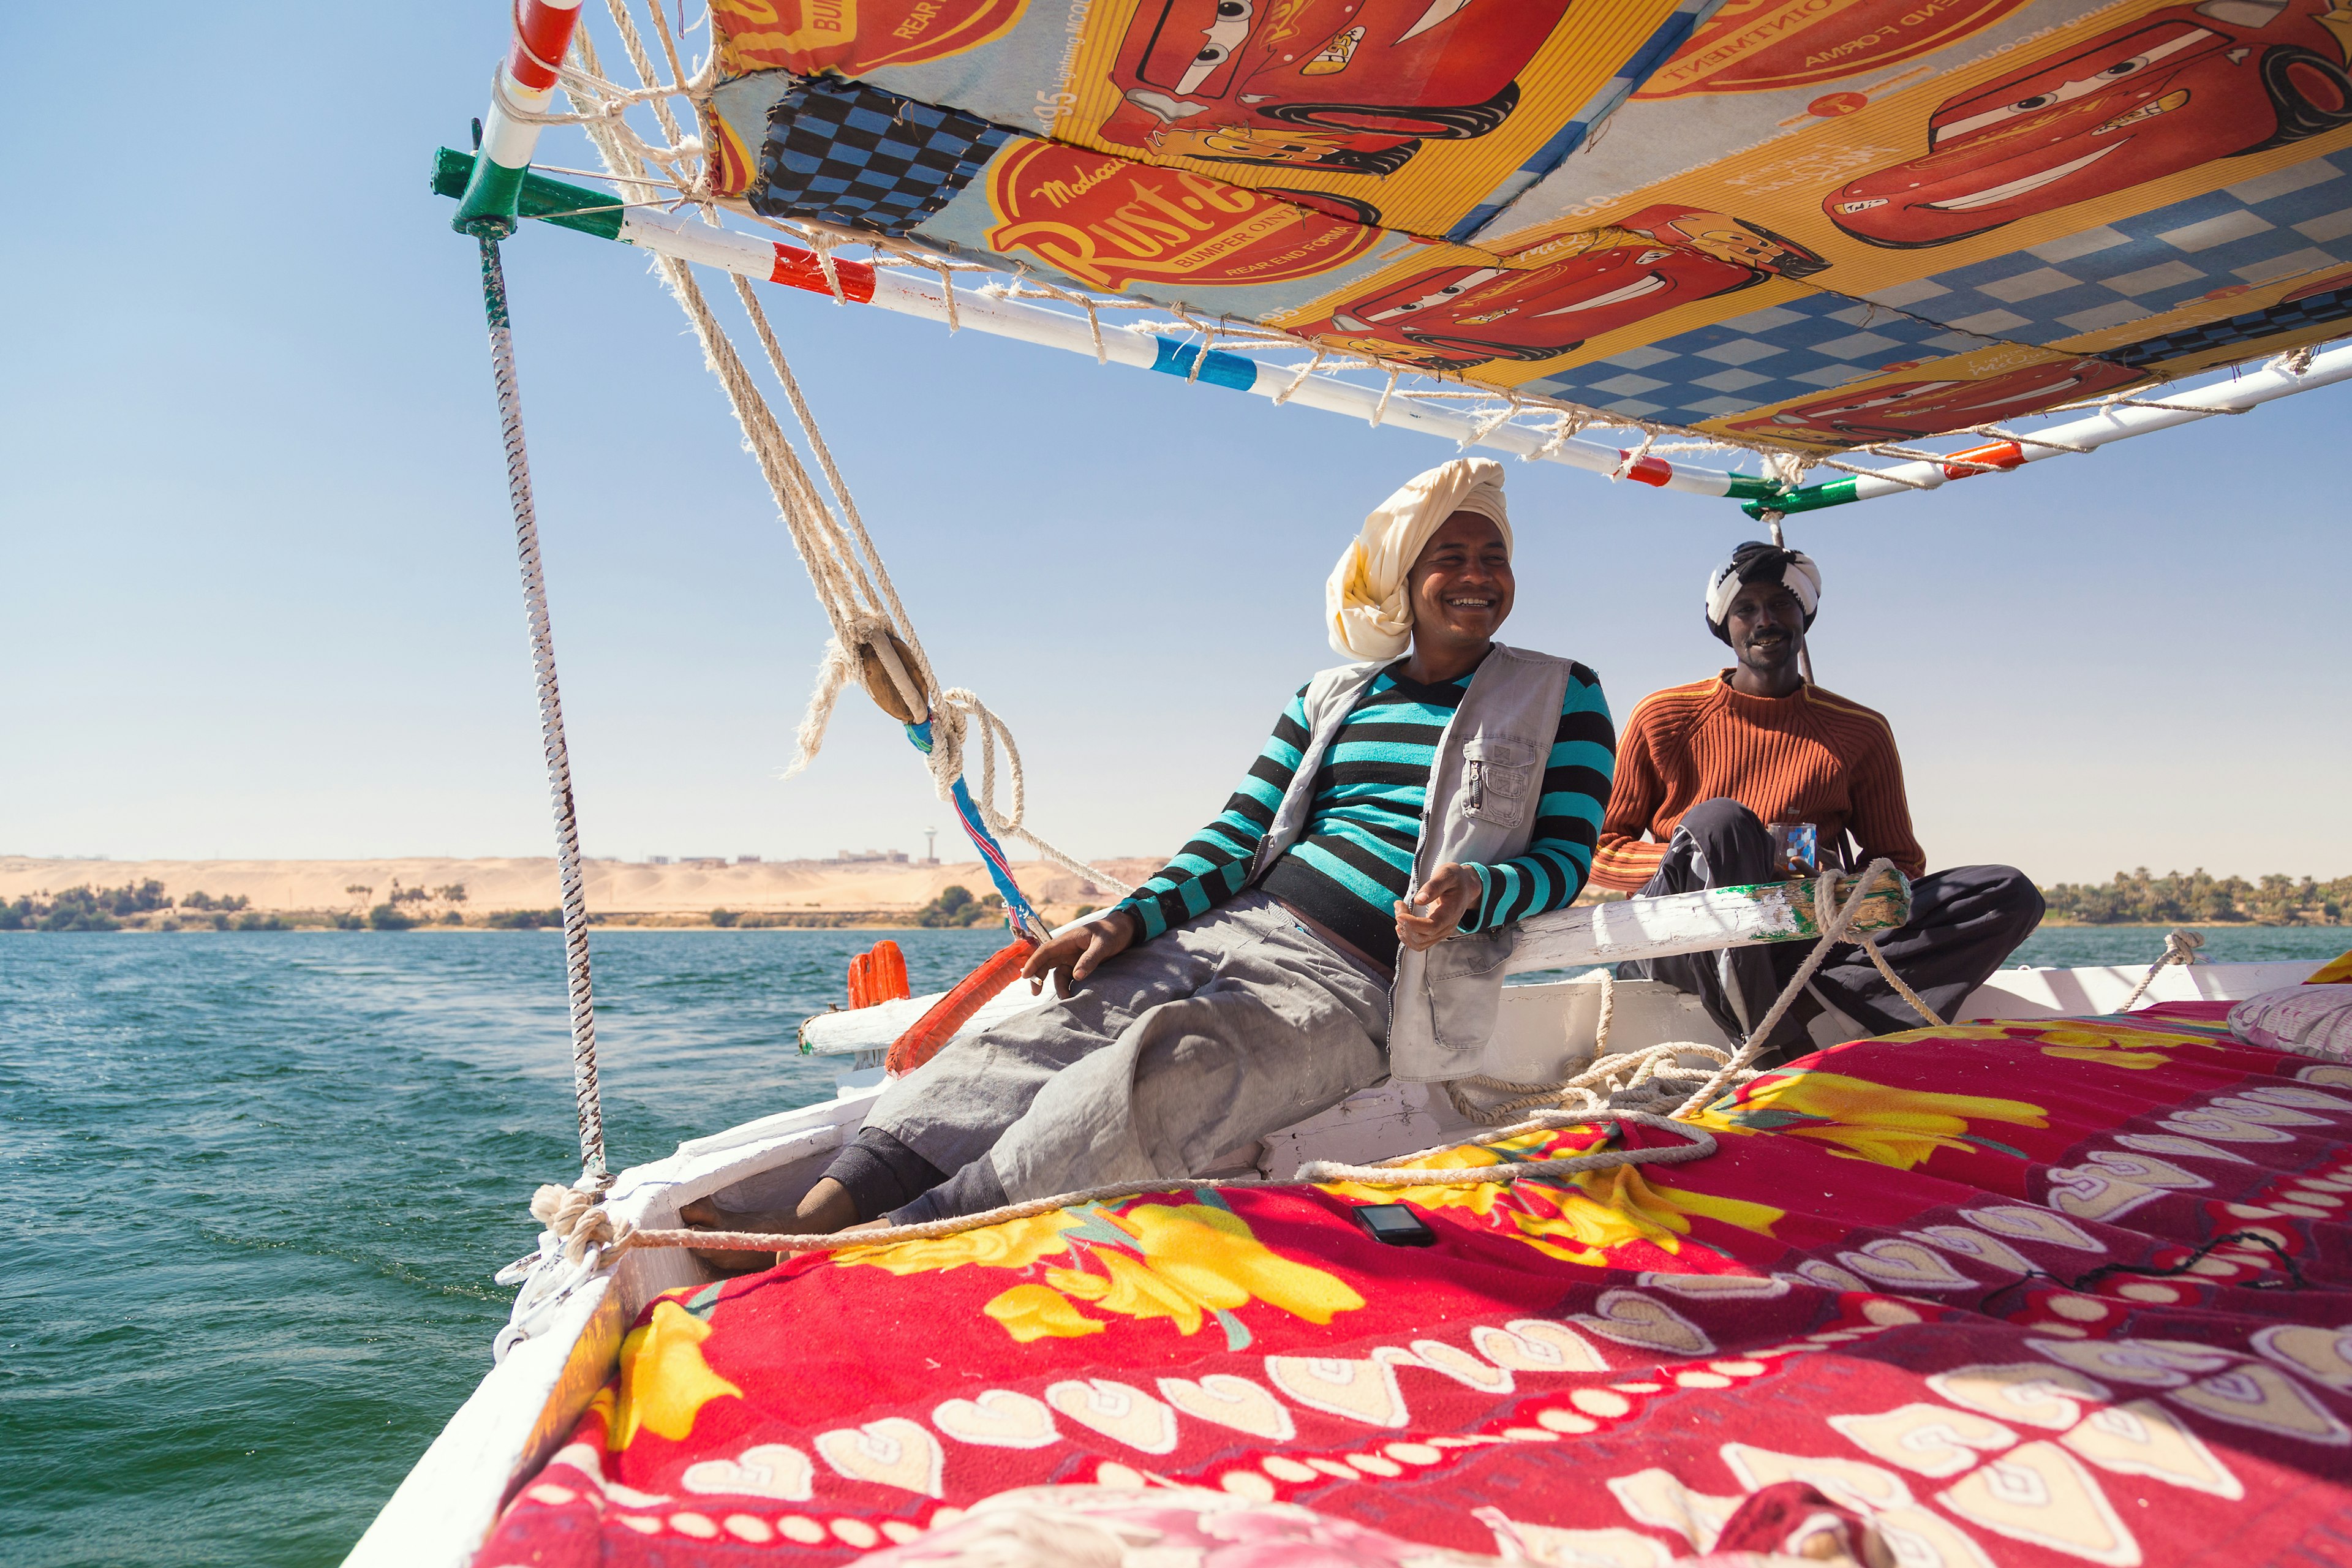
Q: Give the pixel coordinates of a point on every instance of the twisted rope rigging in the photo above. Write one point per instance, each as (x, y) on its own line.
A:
(852, 583)
(586, 1098)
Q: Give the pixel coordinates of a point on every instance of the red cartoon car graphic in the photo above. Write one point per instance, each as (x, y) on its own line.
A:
(1657, 258)
(2175, 88)
(1910, 409)
(1351, 85)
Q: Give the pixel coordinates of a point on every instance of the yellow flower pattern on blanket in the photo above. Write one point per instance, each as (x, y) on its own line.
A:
(1602, 1210)
(664, 1383)
(1899, 1127)
(2083, 1040)
(1184, 1263)
(1009, 1244)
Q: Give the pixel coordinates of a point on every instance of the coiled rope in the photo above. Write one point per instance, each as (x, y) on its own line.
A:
(1653, 1071)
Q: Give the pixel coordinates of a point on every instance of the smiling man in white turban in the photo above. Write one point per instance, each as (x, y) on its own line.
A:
(1344, 918)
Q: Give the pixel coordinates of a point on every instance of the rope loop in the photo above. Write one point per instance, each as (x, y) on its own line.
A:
(2179, 947)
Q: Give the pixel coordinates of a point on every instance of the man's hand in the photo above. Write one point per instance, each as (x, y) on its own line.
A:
(1451, 890)
(1071, 957)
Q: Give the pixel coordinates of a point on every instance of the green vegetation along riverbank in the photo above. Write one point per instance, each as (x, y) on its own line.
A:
(2135, 897)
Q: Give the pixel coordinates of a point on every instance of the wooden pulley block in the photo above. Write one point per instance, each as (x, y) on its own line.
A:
(874, 674)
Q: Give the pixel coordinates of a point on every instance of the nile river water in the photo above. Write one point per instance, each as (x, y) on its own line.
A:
(260, 1182)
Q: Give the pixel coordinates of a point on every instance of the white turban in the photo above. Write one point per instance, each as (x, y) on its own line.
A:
(1367, 604)
(1756, 561)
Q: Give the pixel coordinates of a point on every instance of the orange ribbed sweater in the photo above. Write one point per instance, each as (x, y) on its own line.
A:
(1811, 756)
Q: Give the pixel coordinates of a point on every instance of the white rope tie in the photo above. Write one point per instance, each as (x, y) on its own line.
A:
(2179, 947)
(1299, 380)
(1632, 459)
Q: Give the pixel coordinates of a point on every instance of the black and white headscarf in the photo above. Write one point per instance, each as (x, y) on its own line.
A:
(1756, 561)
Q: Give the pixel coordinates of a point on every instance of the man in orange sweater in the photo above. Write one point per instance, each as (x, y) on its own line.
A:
(1704, 768)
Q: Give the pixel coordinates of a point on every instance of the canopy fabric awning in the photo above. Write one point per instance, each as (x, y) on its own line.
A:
(1808, 226)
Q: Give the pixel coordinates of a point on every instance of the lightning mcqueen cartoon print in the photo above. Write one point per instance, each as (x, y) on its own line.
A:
(1348, 84)
(1659, 258)
(1912, 409)
(2175, 88)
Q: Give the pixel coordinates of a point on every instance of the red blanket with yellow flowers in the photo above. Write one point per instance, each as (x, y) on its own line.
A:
(2061, 1292)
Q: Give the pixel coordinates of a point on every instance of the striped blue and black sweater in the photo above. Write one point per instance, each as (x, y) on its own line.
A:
(1354, 860)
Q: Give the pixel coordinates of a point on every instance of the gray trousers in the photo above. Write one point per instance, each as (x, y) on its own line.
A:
(1190, 1047)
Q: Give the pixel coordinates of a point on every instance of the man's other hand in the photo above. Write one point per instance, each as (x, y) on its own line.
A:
(1450, 890)
(1072, 956)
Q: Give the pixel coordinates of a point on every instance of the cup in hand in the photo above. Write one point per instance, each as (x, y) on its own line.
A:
(1796, 848)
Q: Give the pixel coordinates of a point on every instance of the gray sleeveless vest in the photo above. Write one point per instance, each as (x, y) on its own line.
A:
(1483, 791)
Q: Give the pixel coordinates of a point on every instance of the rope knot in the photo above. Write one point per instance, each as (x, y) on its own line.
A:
(2179, 947)
(578, 1219)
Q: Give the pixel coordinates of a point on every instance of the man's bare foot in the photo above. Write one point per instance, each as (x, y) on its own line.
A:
(826, 1208)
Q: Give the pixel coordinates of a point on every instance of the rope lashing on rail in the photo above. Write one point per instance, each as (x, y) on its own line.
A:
(1834, 927)
(1696, 1144)
(2179, 947)
(578, 1219)
(1645, 1074)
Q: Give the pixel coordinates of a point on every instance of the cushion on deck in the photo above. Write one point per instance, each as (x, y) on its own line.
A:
(2067, 1292)
(2308, 1020)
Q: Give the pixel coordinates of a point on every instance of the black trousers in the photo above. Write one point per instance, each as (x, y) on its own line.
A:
(1964, 922)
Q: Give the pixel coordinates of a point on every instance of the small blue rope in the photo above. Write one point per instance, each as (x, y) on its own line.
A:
(1019, 913)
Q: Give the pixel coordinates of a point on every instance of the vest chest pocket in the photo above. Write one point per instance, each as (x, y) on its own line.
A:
(1497, 777)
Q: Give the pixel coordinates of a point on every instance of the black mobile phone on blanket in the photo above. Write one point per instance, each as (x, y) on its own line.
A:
(1395, 1224)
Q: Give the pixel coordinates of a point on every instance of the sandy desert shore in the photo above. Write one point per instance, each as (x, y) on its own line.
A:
(616, 887)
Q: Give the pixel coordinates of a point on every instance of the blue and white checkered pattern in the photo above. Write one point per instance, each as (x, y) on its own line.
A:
(2259, 231)
(845, 153)
(1797, 348)
(2294, 221)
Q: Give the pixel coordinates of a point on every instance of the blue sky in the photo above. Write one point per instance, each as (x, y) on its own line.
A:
(262, 601)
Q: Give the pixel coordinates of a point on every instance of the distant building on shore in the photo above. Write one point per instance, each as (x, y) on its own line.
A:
(868, 857)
